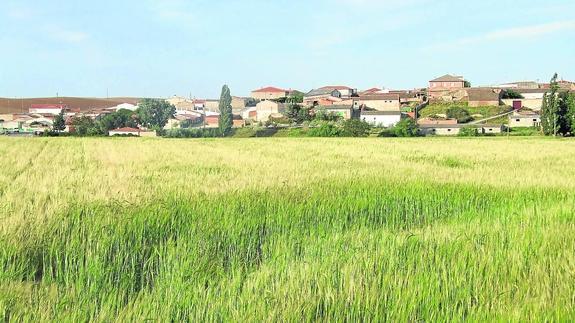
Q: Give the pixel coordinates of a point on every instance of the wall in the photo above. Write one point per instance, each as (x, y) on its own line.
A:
(266, 108)
(381, 120)
(533, 104)
(382, 105)
(524, 122)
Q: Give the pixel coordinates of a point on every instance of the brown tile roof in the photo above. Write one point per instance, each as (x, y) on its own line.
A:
(375, 97)
(483, 94)
(270, 89)
(448, 78)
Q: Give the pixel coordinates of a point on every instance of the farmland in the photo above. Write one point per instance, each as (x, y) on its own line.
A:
(287, 229)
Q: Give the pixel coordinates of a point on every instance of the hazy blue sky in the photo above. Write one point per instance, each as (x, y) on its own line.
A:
(162, 48)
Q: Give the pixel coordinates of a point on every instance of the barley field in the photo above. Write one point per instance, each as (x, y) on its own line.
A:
(287, 229)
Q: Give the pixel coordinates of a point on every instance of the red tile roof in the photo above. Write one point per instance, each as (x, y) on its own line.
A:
(270, 89)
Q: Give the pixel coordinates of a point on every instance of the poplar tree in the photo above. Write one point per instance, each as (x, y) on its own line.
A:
(550, 109)
(226, 117)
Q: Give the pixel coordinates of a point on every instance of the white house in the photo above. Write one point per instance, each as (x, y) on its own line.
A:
(384, 119)
(53, 109)
(267, 109)
(125, 106)
(124, 132)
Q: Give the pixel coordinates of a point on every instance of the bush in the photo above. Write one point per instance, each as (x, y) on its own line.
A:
(460, 114)
(355, 128)
(512, 94)
(468, 132)
(325, 129)
(193, 133)
(405, 128)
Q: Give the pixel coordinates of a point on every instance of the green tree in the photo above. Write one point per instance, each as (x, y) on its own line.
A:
(84, 125)
(226, 117)
(468, 132)
(512, 94)
(405, 128)
(295, 111)
(119, 119)
(459, 113)
(155, 113)
(570, 116)
(355, 128)
(550, 116)
(59, 122)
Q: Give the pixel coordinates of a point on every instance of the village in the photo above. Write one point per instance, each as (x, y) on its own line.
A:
(446, 106)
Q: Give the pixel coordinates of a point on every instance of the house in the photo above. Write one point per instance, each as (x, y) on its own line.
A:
(380, 102)
(455, 129)
(269, 109)
(345, 91)
(199, 105)
(239, 103)
(212, 119)
(238, 121)
(342, 110)
(212, 105)
(446, 87)
(525, 119)
(519, 85)
(126, 131)
(124, 106)
(384, 119)
(484, 96)
(433, 121)
(249, 113)
(53, 109)
(323, 96)
(373, 90)
(270, 93)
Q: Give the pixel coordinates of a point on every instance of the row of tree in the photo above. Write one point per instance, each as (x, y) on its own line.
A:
(558, 111)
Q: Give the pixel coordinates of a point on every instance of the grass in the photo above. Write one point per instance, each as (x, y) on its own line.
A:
(287, 229)
(484, 111)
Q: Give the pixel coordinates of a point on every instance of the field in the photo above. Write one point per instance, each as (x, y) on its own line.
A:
(287, 229)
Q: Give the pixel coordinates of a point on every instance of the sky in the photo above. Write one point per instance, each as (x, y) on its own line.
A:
(153, 48)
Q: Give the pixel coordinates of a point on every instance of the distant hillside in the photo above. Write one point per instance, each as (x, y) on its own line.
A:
(22, 105)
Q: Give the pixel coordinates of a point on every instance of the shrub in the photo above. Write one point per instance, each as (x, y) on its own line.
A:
(512, 94)
(405, 128)
(355, 128)
(325, 129)
(468, 132)
(460, 114)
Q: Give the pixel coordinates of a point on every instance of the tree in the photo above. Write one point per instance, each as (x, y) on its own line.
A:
(294, 109)
(550, 109)
(59, 122)
(570, 116)
(155, 113)
(356, 128)
(119, 119)
(512, 94)
(405, 128)
(84, 125)
(226, 117)
(460, 114)
(468, 132)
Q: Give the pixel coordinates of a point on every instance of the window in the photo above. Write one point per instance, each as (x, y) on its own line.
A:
(534, 120)
(448, 129)
(517, 120)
